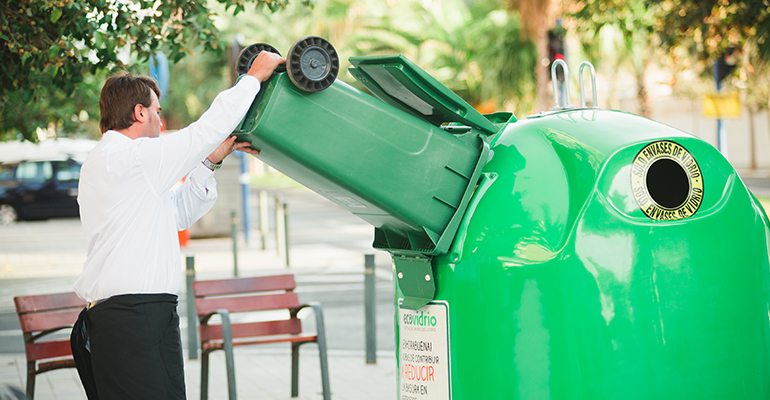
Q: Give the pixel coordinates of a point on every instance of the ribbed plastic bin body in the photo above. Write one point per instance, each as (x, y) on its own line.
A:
(401, 174)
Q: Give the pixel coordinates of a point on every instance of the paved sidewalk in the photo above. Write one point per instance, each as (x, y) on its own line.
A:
(260, 374)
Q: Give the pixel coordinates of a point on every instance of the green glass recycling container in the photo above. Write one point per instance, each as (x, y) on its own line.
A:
(602, 256)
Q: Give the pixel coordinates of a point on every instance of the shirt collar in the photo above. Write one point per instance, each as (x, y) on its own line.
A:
(111, 135)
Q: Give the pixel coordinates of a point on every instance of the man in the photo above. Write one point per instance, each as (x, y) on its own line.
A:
(126, 343)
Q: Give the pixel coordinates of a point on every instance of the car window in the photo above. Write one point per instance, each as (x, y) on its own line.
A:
(34, 172)
(68, 171)
(6, 172)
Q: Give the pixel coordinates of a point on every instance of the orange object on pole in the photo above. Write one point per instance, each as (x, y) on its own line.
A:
(184, 237)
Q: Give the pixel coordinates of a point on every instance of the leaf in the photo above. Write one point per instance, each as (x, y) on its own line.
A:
(53, 50)
(55, 14)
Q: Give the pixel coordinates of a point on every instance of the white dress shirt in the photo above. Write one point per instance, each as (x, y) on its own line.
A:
(129, 212)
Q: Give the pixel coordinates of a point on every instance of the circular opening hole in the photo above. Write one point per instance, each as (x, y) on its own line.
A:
(667, 183)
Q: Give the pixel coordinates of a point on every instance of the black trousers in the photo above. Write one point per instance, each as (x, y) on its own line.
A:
(129, 347)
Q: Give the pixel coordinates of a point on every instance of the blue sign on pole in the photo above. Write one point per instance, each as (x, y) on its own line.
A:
(159, 72)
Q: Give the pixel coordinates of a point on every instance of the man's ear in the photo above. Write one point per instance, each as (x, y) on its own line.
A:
(139, 112)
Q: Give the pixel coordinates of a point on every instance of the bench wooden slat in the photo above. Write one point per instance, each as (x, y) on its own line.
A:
(205, 306)
(46, 350)
(45, 302)
(243, 285)
(218, 345)
(43, 321)
(251, 329)
(57, 364)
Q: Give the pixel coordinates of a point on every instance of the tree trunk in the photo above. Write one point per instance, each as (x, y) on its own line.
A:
(642, 95)
(537, 17)
(542, 72)
(752, 146)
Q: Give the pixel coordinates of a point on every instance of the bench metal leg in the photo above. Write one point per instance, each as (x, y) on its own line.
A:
(227, 334)
(322, 354)
(324, 366)
(295, 369)
(204, 375)
(30, 380)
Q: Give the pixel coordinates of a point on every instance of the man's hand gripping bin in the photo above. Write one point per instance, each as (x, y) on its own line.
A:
(576, 254)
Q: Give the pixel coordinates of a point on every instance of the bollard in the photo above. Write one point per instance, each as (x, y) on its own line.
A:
(245, 180)
(264, 227)
(234, 236)
(286, 232)
(370, 312)
(280, 245)
(192, 318)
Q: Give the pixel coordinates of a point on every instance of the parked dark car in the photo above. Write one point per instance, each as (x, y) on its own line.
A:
(38, 190)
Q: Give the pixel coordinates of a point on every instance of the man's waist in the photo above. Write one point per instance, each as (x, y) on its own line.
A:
(133, 299)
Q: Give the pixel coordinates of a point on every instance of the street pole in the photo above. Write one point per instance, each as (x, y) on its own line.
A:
(192, 318)
(280, 234)
(286, 233)
(245, 180)
(721, 133)
(264, 228)
(234, 236)
(370, 311)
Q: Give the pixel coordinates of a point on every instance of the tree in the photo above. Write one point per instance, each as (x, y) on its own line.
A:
(538, 17)
(475, 48)
(628, 26)
(709, 27)
(49, 46)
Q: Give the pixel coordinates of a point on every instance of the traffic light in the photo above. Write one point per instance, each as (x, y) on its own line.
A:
(725, 65)
(556, 50)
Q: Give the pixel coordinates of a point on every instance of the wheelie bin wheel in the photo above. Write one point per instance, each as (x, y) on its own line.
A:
(312, 64)
(249, 53)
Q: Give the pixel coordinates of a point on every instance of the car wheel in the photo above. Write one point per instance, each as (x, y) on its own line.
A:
(8, 214)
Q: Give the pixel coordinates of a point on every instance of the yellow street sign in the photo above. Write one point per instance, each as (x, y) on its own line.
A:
(718, 105)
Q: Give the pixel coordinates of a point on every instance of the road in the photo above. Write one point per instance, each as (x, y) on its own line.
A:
(327, 246)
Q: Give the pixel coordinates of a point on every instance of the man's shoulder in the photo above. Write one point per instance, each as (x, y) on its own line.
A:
(113, 148)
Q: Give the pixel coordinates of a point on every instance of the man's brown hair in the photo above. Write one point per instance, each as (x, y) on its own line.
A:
(120, 94)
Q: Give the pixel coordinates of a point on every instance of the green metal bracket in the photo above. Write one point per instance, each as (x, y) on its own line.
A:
(414, 276)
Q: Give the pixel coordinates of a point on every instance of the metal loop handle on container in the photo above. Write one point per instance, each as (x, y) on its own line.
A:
(566, 83)
(593, 85)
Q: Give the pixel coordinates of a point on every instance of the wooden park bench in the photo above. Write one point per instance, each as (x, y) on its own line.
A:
(254, 295)
(40, 316)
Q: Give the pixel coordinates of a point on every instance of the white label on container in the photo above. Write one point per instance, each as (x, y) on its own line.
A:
(424, 352)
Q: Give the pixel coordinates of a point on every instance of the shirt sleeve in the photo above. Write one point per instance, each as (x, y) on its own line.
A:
(195, 197)
(169, 158)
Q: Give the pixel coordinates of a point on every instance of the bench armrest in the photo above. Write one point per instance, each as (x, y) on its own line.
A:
(318, 311)
(227, 330)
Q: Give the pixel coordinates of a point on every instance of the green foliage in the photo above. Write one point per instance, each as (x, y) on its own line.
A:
(193, 84)
(689, 36)
(48, 47)
(505, 60)
(709, 27)
(77, 114)
(477, 50)
(618, 34)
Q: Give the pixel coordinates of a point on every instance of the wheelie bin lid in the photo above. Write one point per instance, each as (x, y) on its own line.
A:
(402, 84)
